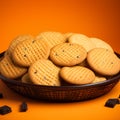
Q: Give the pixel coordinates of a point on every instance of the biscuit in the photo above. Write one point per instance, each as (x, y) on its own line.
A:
(29, 51)
(26, 79)
(99, 79)
(103, 61)
(67, 35)
(16, 41)
(77, 75)
(44, 72)
(10, 70)
(52, 38)
(67, 54)
(82, 40)
(101, 44)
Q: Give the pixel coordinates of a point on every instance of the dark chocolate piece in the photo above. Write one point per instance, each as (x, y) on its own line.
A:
(112, 102)
(1, 95)
(23, 107)
(5, 110)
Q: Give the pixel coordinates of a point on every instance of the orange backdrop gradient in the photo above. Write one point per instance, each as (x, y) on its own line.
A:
(95, 18)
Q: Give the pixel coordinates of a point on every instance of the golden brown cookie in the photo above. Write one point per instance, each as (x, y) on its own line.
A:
(29, 51)
(52, 38)
(67, 54)
(99, 79)
(82, 40)
(101, 44)
(44, 72)
(67, 35)
(103, 61)
(26, 79)
(77, 75)
(10, 70)
(16, 41)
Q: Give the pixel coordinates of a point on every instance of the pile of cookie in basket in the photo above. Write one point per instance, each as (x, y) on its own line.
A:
(56, 59)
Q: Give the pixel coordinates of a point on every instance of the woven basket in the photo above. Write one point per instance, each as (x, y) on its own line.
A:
(62, 93)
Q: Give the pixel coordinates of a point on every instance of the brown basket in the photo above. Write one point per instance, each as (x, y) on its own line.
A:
(62, 93)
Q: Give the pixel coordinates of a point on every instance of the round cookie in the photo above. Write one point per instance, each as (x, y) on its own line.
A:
(16, 41)
(29, 51)
(67, 54)
(52, 38)
(82, 40)
(44, 72)
(9, 70)
(77, 75)
(103, 61)
(26, 79)
(101, 44)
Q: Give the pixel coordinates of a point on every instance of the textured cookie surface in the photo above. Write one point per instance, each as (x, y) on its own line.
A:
(9, 70)
(67, 54)
(99, 79)
(77, 75)
(26, 79)
(44, 72)
(16, 41)
(103, 61)
(28, 51)
(52, 38)
(101, 44)
(82, 40)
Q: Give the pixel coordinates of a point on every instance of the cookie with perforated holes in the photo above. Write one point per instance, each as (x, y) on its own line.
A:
(67, 54)
(77, 75)
(103, 61)
(10, 70)
(16, 41)
(29, 51)
(44, 72)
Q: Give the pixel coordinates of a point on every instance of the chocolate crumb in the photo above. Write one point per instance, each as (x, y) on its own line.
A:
(1, 95)
(23, 107)
(5, 110)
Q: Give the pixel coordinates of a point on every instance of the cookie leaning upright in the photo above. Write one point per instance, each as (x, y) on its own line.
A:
(52, 38)
(28, 51)
(16, 41)
(9, 69)
(103, 61)
(67, 54)
(44, 72)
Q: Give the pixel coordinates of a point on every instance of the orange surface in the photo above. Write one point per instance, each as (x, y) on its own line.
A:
(95, 18)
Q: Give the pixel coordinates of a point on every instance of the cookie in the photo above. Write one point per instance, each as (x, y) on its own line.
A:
(101, 44)
(52, 38)
(103, 61)
(29, 51)
(16, 41)
(67, 35)
(82, 40)
(67, 54)
(44, 72)
(10, 70)
(26, 79)
(77, 75)
(99, 79)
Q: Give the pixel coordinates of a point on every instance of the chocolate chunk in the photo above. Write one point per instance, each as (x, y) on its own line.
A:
(112, 102)
(5, 110)
(1, 95)
(23, 107)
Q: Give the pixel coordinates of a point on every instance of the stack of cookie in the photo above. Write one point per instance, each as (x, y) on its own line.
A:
(54, 58)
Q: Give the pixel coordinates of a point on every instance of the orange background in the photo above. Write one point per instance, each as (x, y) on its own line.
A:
(95, 18)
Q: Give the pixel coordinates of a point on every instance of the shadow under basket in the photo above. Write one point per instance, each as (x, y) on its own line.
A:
(62, 93)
